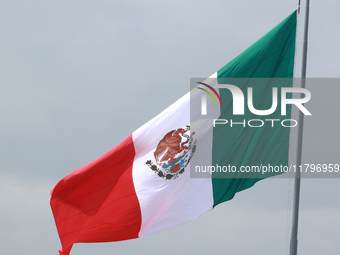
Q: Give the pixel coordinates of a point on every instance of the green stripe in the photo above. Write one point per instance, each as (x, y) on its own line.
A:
(270, 57)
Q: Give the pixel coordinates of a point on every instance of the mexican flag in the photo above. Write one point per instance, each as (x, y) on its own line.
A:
(143, 185)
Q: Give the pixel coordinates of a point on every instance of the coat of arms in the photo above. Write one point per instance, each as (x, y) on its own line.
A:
(173, 153)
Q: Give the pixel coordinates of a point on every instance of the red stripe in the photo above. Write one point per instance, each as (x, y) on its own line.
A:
(98, 202)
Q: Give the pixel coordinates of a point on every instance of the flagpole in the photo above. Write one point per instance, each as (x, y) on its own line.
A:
(297, 181)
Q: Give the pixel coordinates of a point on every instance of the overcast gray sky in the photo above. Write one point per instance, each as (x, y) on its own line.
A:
(77, 77)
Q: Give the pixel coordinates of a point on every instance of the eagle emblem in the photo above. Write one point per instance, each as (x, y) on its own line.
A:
(173, 153)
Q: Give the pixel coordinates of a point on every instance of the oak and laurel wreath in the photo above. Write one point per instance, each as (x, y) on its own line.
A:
(169, 176)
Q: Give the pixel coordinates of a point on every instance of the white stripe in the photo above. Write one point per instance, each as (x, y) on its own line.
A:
(167, 203)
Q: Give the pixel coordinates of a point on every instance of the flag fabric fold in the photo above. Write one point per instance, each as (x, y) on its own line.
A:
(143, 184)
